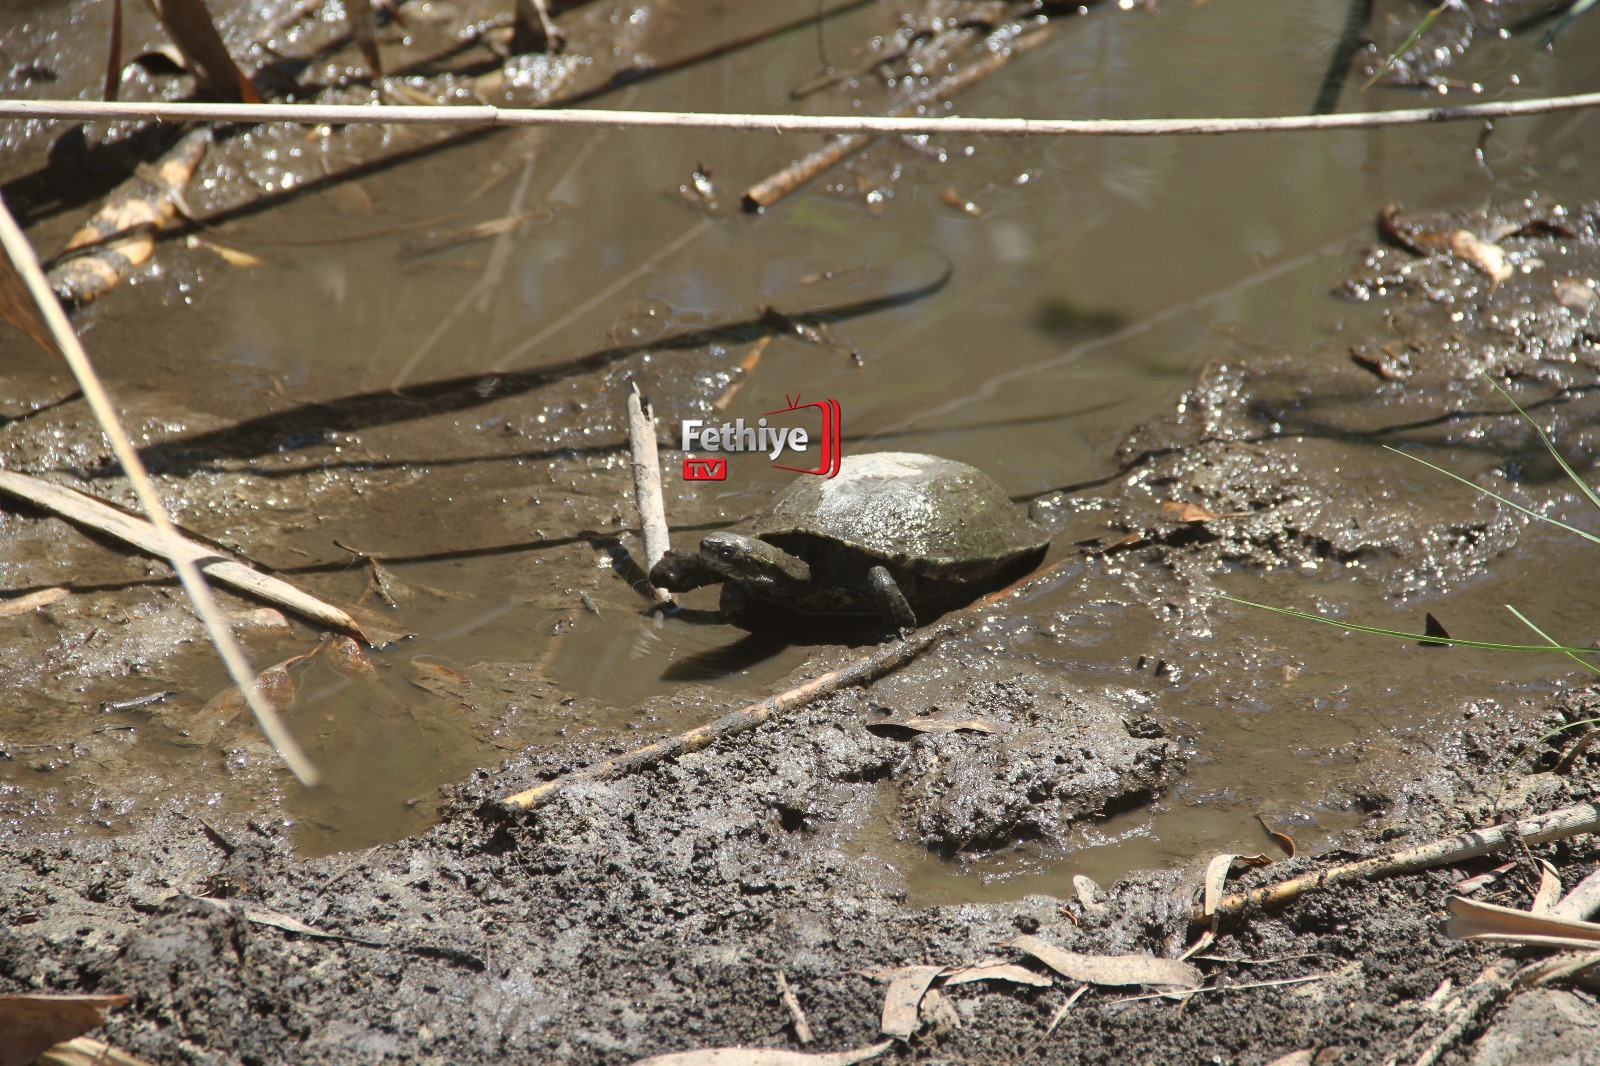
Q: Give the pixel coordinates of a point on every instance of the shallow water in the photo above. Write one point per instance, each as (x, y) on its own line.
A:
(1099, 276)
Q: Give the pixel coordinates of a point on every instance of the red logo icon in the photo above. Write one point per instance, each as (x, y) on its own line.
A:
(704, 469)
(827, 437)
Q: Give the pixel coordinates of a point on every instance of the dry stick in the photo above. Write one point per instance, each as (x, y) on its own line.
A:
(102, 517)
(1501, 978)
(770, 191)
(489, 115)
(21, 254)
(802, 1027)
(647, 484)
(1556, 825)
(869, 668)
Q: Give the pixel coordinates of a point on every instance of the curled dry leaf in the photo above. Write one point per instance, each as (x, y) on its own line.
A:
(1549, 893)
(1110, 969)
(32, 1023)
(1212, 885)
(740, 1056)
(907, 986)
(1471, 920)
(1487, 257)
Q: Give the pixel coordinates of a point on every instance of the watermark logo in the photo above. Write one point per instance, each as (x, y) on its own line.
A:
(704, 469)
(772, 434)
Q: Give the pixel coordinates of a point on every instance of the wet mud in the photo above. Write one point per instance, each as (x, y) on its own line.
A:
(1122, 723)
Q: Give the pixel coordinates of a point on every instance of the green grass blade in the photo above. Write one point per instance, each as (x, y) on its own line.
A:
(1553, 645)
(1548, 443)
(1495, 495)
(1422, 27)
(1402, 635)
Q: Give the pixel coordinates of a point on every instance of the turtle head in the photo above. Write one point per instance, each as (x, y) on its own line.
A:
(755, 564)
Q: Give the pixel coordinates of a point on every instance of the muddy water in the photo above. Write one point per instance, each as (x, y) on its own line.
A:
(1079, 298)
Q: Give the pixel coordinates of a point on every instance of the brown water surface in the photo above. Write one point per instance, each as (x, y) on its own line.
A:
(1099, 277)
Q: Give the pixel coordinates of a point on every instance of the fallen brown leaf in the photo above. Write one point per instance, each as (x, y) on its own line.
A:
(33, 1022)
(907, 985)
(994, 970)
(1471, 920)
(740, 1056)
(1110, 969)
(1190, 512)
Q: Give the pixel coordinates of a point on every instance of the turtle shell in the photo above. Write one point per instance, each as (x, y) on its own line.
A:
(942, 529)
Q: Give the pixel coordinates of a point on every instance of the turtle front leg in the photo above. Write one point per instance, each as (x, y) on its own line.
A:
(891, 601)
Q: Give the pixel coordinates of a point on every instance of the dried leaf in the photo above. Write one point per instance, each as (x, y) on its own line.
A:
(1110, 969)
(82, 1051)
(32, 601)
(363, 23)
(1472, 884)
(1190, 512)
(739, 1056)
(1283, 840)
(233, 256)
(1471, 920)
(1488, 258)
(189, 25)
(114, 54)
(993, 969)
(18, 307)
(1549, 893)
(907, 986)
(33, 1022)
(1216, 878)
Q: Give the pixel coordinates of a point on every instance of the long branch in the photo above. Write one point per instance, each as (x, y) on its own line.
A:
(487, 115)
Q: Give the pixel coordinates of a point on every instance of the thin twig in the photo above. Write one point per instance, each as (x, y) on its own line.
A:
(27, 265)
(1557, 825)
(769, 191)
(488, 115)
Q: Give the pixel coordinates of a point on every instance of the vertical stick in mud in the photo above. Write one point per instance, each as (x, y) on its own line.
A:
(647, 483)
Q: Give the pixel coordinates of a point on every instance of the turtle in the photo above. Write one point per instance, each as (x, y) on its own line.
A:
(897, 534)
